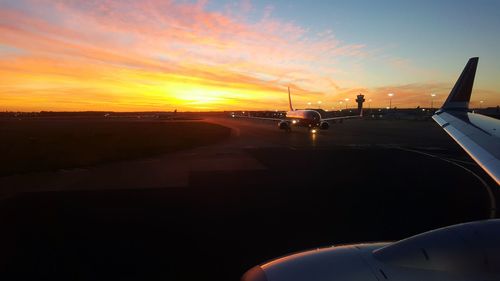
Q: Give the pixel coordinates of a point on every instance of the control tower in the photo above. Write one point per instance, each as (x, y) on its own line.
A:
(360, 100)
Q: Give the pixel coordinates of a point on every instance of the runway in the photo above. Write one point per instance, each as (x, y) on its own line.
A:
(215, 211)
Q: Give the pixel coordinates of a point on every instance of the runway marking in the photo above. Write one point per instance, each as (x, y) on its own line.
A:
(461, 161)
(493, 205)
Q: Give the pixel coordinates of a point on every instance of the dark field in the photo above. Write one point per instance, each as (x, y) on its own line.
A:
(45, 145)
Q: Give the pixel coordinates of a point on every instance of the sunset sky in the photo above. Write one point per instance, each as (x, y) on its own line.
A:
(150, 55)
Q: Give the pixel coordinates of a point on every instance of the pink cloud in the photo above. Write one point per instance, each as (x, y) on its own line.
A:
(165, 27)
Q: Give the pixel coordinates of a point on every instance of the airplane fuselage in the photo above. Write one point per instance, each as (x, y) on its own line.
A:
(306, 118)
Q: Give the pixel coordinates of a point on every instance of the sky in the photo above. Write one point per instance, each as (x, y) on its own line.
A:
(151, 55)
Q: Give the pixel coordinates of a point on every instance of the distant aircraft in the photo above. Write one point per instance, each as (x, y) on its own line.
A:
(469, 251)
(308, 118)
(477, 134)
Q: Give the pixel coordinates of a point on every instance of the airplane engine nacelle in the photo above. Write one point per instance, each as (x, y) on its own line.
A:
(324, 126)
(284, 125)
(451, 253)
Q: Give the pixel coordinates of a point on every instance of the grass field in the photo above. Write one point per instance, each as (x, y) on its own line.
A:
(44, 145)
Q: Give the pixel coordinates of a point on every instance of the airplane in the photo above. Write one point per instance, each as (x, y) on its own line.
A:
(477, 134)
(308, 118)
(469, 251)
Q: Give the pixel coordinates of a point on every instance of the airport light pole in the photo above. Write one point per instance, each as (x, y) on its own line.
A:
(340, 106)
(346, 101)
(481, 104)
(309, 104)
(319, 104)
(390, 99)
(370, 105)
(432, 100)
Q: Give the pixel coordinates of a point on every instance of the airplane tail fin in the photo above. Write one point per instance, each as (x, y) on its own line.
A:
(290, 99)
(460, 94)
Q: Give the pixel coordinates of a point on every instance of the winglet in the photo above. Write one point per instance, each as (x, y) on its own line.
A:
(460, 94)
(290, 99)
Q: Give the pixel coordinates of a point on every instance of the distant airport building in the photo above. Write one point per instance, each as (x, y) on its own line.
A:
(360, 100)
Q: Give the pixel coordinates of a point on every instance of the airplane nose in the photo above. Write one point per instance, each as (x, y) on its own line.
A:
(254, 274)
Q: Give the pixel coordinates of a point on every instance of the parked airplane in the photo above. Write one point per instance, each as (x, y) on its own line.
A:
(477, 134)
(308, 118)
(469, 251)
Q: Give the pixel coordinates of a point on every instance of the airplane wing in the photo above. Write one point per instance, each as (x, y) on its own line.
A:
(260, 118)
(341, 117)
(278, 119)
(477, 134)
(344, 117)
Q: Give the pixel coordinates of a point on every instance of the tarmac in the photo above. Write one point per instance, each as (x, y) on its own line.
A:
(215, 211)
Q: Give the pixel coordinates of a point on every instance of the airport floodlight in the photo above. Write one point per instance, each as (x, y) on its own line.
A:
(433, 95)
(313, 131)
(390, 99)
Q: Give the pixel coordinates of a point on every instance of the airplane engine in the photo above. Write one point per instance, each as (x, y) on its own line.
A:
(324, 126)
(284, 125)
(459, 252)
